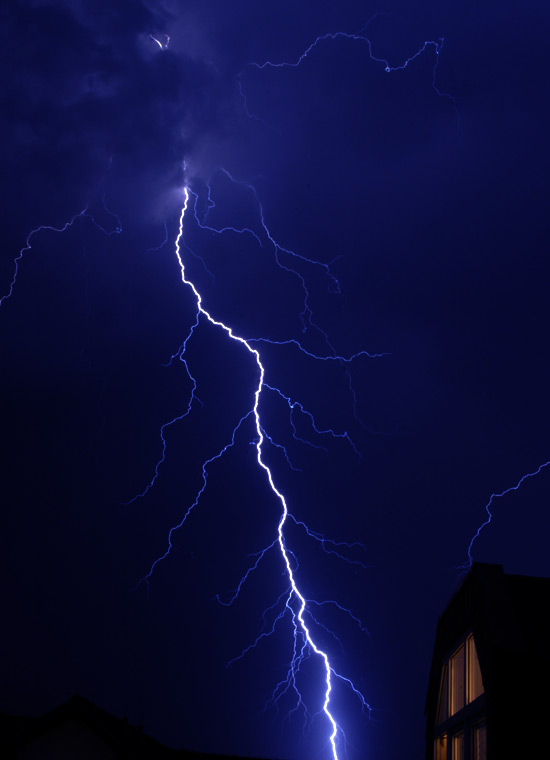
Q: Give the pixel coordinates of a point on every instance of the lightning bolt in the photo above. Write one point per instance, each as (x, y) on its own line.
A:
(295, 603)
(360, 36)
(292, 603)
(84, 214)
(489, 505)
(162, 46)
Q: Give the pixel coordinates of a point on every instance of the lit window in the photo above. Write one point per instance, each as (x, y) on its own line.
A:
(475, 682)
(461, 683)
(456, 673)
(480, 741)
(440, 748)
(458, 746)
(461, 680)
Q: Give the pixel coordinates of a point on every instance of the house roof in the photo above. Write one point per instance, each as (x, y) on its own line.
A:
(123, 739)
(507, 615)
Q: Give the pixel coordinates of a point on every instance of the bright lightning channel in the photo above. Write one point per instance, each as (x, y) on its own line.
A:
(295, 602)
(159, 43)
(292, 599)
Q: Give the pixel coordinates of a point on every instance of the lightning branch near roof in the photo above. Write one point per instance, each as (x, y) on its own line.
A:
(489, 506)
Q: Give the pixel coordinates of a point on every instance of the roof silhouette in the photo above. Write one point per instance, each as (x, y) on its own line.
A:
(123, 739)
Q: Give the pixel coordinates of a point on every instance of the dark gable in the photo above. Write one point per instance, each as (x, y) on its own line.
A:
(506, 616)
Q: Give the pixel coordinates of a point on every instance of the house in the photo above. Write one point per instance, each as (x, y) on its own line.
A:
(79, 730)
(488, 693)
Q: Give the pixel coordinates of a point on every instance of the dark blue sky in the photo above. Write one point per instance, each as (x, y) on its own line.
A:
(437, 231)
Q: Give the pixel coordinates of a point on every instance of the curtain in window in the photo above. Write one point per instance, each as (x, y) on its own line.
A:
(475, 682)
(480, 741)
(456, 669)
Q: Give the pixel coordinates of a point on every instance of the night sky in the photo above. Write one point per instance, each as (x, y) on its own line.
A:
(430, 211)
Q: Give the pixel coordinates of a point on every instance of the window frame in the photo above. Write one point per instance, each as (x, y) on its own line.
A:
(455, 738)
(476, 727)
(464, 720)
(448, 681)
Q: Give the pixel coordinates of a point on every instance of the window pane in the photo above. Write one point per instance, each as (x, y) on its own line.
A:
(480, 741)
(440, 748)
(456, 668)
(475, 682)
(458, 747)
(443, 708)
